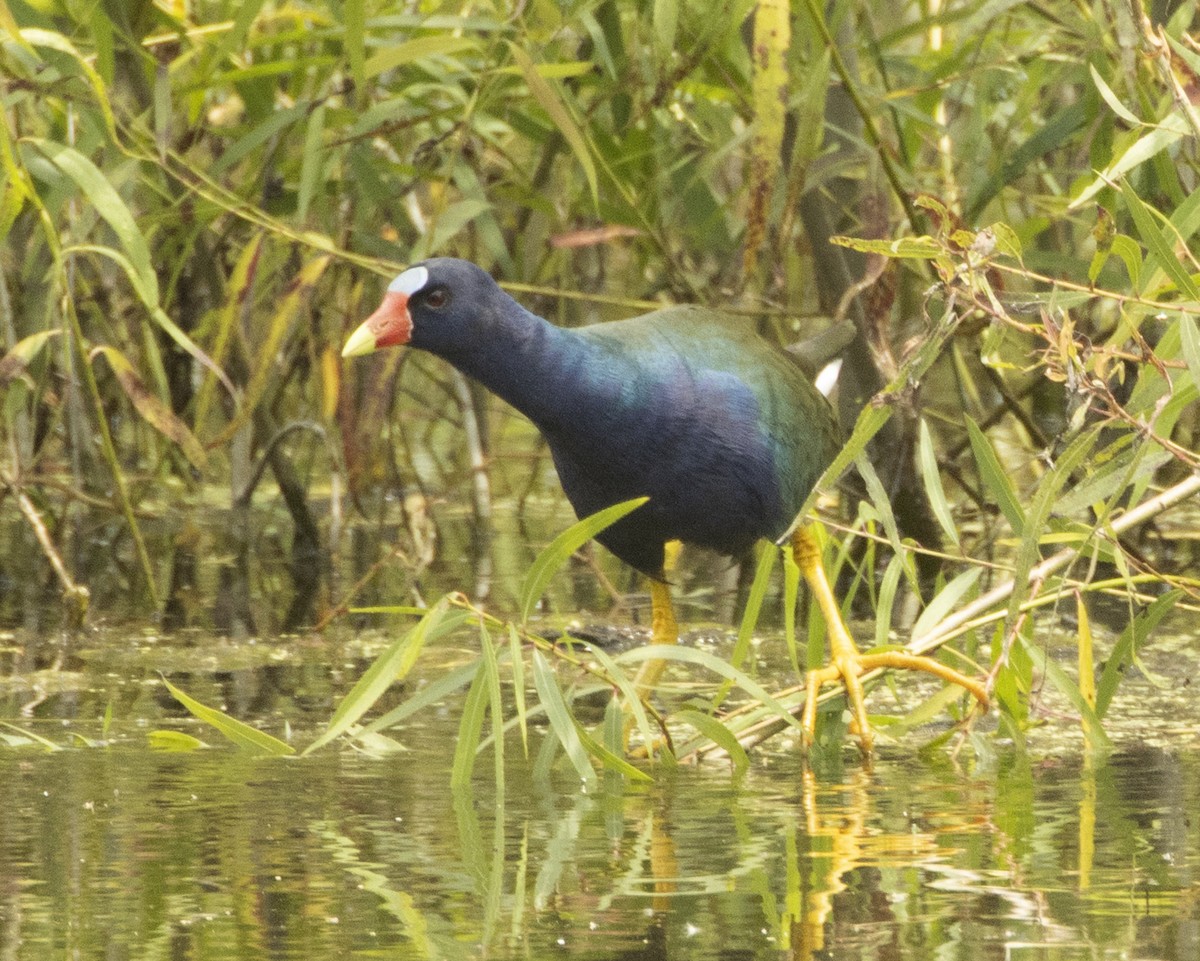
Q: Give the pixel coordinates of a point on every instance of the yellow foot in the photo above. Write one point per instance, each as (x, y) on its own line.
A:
(846, 664)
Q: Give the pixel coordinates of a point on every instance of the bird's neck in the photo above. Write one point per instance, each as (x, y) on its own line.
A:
(529, 363)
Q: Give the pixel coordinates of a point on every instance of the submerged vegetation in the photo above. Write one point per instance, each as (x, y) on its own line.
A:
(199, 200)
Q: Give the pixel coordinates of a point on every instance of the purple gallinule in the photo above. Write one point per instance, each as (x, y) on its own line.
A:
(722, 431)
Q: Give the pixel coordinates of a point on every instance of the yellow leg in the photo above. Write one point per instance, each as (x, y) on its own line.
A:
(663, 629)
(845, 662)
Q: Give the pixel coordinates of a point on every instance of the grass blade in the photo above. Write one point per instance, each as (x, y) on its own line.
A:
(718, 733)
(561, 721)
(243, 735)
(562, 547)
(995, 478)
(932, 479)
(392, 665)
(561, 117)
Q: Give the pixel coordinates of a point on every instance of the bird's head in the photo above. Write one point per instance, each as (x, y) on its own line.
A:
(436, 305)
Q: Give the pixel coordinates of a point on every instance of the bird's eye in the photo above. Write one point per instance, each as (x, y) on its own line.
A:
(437, 298)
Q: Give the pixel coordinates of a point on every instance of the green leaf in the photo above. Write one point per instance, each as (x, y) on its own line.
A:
(1110, 98)
(470, 727)
(915, 248)
(109, 205)
(995, 478)
(561, 721)
(243, 735)
(931, 476)
(884, 608)
(1159, 241)
(354, 13)
(562, 547)
(1097, 739)
(173, 741)
(1125, 649)
(718, 666)
(151, 408)
(665, 17)
(1158, 138)
(391, 666)
(718, 733)
(310, 162)
(429, 695)
(557, 110)
(625, 685)
(516, 659)
(946, 600)
(1190, 339)
(442, 44)
(758, 590)
(15, 362)
(607, 758)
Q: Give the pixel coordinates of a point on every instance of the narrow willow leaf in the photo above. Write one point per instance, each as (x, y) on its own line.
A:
(791, 596)
(1087, 668)
(718, 666)
(1131, 256)
(274, 125)
(870, 421)
(391, 666)
(393, 56)
(718, 733)
(946, 600)
(491, 674)
(310, 162)
(282, 321)
(625, 685)
(516, 659)
(1190, 340)
(242, 734)
(931, 476)
(1185, 219)
(160, 318)
(109, 205)
(665, 17)
(237, 295)
(995, 478)
(556, 554)
(561, 721)
(546, 95)
(428, 696)
(1159, 241)
(354, 14)
(1124, 650)
(151, 408)
(884, 609)
(609, 760)
(758, 590)
(23, 352)
(470, 728)
(881, 502)
(1097, 740)
(1159, 138)
(31, 737)
(919, 248)
(56, 41)
(1110, 98)
(173, 741)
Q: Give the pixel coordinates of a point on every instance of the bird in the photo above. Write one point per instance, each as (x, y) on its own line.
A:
(688, 406)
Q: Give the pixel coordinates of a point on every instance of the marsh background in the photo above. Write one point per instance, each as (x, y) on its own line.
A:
(201, 198)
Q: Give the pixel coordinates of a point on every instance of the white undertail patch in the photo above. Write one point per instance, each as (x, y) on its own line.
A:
(828, 377)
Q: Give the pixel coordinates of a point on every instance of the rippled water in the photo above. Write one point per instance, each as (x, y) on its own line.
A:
(121, 852)
(112, 849)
